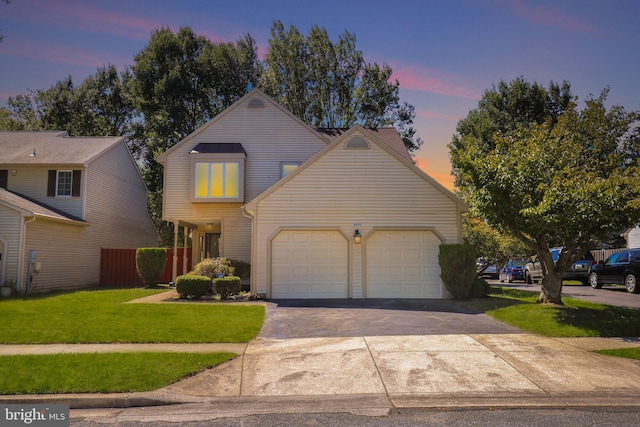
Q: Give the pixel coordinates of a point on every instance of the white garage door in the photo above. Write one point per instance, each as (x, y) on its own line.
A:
(403, 264)
(309, 264)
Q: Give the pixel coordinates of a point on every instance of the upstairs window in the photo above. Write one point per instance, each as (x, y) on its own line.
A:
(287, 167)
(64, 183)
(217, 180)
(217, 171)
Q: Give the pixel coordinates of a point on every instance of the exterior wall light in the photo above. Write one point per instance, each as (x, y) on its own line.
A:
(357, 237)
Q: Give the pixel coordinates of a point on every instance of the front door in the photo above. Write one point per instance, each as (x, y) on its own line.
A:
(211, 247)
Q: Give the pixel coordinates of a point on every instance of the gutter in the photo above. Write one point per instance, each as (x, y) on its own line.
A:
(251, 215)
(21, 249)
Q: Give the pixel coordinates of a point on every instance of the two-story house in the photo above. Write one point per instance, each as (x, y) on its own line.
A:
(319, 213)
(62, 199)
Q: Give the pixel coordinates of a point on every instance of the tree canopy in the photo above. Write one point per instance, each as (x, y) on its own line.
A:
(328, 84)
(529, 161)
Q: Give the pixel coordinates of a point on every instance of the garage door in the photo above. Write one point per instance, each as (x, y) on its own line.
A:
(403, 264)
(309, 264)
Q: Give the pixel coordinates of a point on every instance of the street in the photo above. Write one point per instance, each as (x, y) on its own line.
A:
(478, 417)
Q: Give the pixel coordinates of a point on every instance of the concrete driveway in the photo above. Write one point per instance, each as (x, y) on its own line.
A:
(287, 319)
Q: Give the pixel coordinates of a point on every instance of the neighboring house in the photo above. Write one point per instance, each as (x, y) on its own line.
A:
(62, 199)
(633, 237)
(319, 213)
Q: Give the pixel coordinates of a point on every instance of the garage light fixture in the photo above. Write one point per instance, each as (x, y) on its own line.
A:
(357, 237)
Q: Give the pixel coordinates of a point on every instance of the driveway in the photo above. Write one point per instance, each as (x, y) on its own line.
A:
(287, 319)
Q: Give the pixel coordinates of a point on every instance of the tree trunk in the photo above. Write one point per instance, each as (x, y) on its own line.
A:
(551, 290)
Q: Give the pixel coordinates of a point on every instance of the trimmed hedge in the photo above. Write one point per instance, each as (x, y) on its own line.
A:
(192, 286)
(150, 264)
(227, 286)
(242, 269)
(458, 269)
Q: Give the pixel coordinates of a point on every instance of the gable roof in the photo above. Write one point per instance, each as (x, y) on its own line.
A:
(388, 135)
(373, 137)
(51, 147)
(31, 207)
(252, 93)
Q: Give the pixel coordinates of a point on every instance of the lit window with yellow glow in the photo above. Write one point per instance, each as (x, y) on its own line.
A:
(217, 180)
(288, 167)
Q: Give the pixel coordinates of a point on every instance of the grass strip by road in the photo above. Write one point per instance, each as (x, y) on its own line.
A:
(100, 372)
(99, 316)
(576, 318)
(629, 353)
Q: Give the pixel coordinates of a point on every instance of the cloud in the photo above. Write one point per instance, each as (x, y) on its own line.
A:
(428, 114)
(549, 16)
(60, 53)
(425, 79)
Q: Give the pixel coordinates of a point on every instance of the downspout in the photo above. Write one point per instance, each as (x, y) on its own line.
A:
(21, 249)
(248, 214)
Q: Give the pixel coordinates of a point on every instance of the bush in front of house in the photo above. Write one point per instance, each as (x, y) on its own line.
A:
(192, 286)
(213, 267)
(242, 269)
(226, 286)
(150, 264)
(458, 269)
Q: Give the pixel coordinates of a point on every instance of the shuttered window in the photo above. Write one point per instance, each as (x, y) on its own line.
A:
(64, 183)
(4, 178)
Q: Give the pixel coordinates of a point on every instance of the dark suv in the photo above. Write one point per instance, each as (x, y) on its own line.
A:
(621, 268)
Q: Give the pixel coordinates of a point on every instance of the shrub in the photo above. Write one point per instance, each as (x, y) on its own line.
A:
(192, 286)
(226, 286)
(480, 288)
(150, 264)
(458, 269)
(242, 269)
(213, 267)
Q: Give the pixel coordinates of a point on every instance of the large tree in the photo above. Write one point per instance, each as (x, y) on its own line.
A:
(180, 81)
(100, 106)
(328, 84)
(528, 160)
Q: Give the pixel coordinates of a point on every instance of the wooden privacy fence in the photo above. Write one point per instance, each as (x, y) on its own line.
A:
(118, 267)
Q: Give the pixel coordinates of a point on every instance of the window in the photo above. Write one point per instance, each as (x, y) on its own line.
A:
(217, 180)
(287, 167)
(63, 183)
(217, 172)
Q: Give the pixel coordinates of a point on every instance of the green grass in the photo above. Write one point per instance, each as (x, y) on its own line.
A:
(629, 353)
(100, 372)
(577, 318)
(99, 316)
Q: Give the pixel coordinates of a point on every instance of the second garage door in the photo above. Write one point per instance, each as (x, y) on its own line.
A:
(403, 264)
(309, 264)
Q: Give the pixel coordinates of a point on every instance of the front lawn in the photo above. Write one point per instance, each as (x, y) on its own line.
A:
(99, 316)
(577, 318)
(100, 372)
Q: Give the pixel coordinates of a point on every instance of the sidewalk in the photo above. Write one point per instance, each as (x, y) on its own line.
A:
(383, 372)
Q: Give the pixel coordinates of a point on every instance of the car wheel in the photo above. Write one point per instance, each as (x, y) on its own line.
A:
(527, 279)
(631, 283)
(593, 281)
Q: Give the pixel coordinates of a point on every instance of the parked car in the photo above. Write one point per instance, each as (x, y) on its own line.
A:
(513, 270)
(486, 271)
(579, 270)
(621, 268)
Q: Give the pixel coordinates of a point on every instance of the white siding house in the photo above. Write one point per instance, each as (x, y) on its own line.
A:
(353, 218)
(62, 199)
(633, 238)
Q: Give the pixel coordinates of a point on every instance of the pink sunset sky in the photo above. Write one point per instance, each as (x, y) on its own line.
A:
(444, 53)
